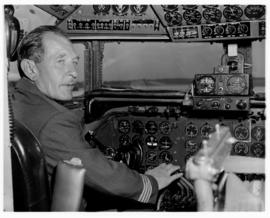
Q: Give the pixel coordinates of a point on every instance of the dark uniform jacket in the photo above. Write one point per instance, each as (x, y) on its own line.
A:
(60, 133)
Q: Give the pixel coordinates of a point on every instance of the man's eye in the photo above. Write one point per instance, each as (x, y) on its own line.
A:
(61, 61)
(75, 63)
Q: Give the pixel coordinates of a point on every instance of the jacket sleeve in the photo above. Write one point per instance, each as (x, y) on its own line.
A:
(62, 139)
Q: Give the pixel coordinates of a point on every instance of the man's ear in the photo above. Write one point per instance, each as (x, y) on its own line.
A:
(30, 69)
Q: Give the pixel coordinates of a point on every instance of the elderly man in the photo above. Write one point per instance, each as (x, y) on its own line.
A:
(47, 64)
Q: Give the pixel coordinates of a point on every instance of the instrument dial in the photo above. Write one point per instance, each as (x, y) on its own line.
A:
(138, 9)
(241, 132)
(191, 130)
(165, 127)
(151, 127)
(254, 11)
(258, 150)
(241, 148)
(233, 12)
(230, 29)
(192, 16)
(236, 84)
(212, 15)
(124, 126)
(124, 140)
(151, 156)
(120, 10)
(151, 142)
(101, 9)
(191, 147)
(166, 157)
(206, 85)
(243, 28)
(258, 133)
(173, 18)
(219, 30)
(207, 31)
(165, 143)
(206, 129)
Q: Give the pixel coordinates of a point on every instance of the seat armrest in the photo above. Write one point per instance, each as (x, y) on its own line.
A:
(68, 187)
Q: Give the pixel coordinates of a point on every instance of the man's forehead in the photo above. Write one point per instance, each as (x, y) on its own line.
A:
(53, 43)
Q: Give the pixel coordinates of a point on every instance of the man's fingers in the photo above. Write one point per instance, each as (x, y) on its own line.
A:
(175, 176)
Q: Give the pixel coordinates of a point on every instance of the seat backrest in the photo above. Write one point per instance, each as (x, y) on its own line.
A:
(31, 189)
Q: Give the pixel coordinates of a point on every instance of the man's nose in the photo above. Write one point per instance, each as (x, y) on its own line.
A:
(74, 74)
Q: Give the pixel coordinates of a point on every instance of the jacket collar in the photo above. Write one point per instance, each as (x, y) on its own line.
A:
(28, 86)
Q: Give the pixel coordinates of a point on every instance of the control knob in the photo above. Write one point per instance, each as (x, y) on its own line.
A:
(215, 104)
(241, 105)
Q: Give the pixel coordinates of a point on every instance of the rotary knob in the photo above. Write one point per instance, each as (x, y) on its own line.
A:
(241, 105)
(215, 104)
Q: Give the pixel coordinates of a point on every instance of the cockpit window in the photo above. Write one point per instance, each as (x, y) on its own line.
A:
(157, 66)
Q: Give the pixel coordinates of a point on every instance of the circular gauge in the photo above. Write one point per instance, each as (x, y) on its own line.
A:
(138, 9)
(101, 9)
(241, 132)
(192, 16)
(236, 84)
(124, 140)
(254, 11)
(191, 130)
(191, 147)
(258, 133)
(151, 127)
(207, 31)
(190, 7)
(165, 127)
(120, 10)
(212, 15)
(233, 12)
(243, 28)
(170, 7)
(206, 85)
(124, 126)
(151, 156)
(206, 129)
(219, 30)
(173, 18)
(241, 148)
(151, 142)
(257, 149)
(138, 127)
(165, 143)
(166, 157)
(230, 29)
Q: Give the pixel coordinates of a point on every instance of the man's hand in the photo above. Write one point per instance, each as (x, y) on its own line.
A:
(164, 174)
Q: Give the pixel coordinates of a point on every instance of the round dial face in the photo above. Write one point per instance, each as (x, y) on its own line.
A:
(151, 127)
(165, 143)
(151, 142)
(101, 9)
(120, 9)
(206, 85)
(232, 12)
(173, 18)
(236, 84)
(230, 29)
(241, 148)
(257, 149)
(151, 156)
(241, 132)
(206, 129)
(124, 140)
(192, 16)
(166, 157)
(191, 147)
(191, 130)
(165, 127)
(212, 15)
(254, 11)
(138, 9)
(258, 133)
(124, 126)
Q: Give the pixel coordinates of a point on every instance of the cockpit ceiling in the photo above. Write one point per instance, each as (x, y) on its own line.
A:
(161, 22)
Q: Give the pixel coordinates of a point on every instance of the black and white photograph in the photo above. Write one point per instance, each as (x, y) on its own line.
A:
(115, 108)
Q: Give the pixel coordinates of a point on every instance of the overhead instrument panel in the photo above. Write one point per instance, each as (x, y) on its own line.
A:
(116, 20)
(212, 22)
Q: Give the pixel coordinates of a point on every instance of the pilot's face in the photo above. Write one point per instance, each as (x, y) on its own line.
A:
(57, 70)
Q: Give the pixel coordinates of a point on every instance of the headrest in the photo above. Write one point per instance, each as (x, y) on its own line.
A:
(12, 32)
